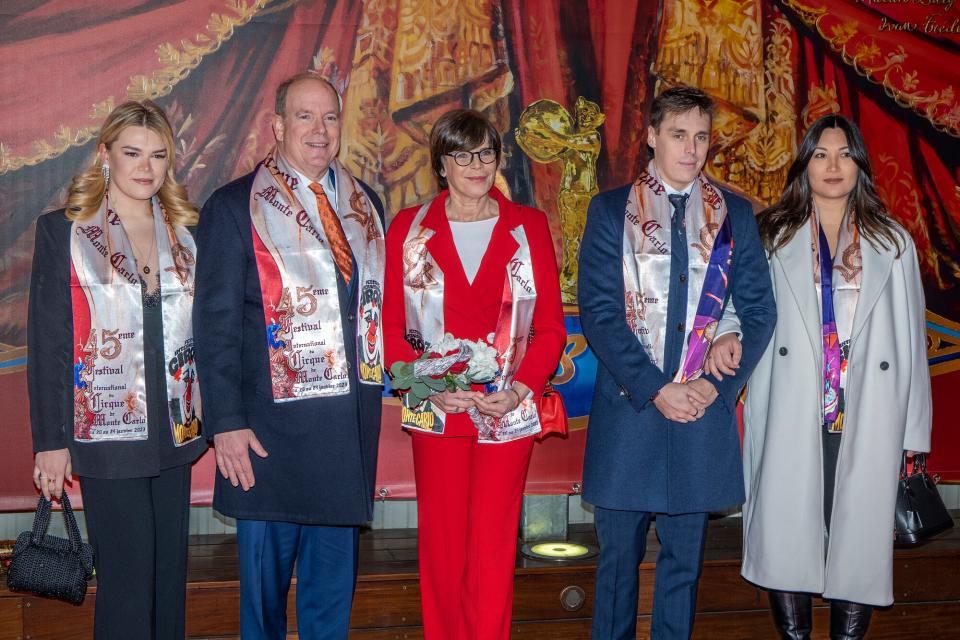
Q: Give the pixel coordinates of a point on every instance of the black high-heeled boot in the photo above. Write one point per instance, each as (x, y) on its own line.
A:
(849, 620)
(792, 614)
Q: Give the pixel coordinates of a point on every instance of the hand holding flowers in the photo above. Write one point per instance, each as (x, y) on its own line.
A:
(445, 372)
(502, 402)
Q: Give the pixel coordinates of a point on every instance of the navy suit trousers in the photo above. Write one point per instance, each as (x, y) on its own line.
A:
(326, 563)
(623, 541)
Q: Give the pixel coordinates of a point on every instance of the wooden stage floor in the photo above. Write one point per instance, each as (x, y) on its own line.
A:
(926, 587)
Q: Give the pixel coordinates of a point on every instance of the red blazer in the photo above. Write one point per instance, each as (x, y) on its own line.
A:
(470, 311)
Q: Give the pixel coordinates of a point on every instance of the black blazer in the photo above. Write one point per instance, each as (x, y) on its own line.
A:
(50, 373)
(322, 451)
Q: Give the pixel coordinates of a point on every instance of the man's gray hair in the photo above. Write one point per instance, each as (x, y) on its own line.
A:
(280, 103)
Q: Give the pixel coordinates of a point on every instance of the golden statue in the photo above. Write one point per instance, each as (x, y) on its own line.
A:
(547, 133)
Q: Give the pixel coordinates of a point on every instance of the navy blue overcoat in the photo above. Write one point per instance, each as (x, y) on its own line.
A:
(635, 458)
(322, 451)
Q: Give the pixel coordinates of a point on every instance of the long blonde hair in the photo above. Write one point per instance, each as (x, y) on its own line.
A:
(88, 189)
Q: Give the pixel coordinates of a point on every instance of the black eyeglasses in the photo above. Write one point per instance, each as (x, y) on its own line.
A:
(465, 158)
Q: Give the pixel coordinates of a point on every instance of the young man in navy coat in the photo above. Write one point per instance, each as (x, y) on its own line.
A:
(663, 436)
(288, 293)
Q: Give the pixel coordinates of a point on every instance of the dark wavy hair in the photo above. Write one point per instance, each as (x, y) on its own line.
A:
(778, 223)
(460, 130)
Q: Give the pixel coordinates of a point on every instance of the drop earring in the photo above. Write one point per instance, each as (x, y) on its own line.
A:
(105, 170)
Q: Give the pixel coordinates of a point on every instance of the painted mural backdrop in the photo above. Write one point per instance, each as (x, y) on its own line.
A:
(568, 83)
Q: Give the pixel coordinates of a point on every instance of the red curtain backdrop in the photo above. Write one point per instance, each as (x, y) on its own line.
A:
(213, 64)
(913, 145)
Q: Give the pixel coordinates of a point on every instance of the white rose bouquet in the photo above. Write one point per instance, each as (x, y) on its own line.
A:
(448, 365)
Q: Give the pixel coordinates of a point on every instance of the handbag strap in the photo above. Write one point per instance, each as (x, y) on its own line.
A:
(919, 465)
(73, 531)
(41, 520)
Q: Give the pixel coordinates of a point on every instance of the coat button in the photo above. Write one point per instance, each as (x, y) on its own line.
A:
(884, 365)
(783, 351)
(624, 393)
(683, 277)
(351, 317)
(679, 326)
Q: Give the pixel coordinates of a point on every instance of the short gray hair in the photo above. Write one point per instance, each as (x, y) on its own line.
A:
(280, 102)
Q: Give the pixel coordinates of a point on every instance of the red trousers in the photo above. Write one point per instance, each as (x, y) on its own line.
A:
(468, 512)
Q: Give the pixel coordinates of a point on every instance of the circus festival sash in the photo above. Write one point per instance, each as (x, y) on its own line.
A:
(423, 282)
(838, 289)
(109, 385)
(298, 283)
(646, 267)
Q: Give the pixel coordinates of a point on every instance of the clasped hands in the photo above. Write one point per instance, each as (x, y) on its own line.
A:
(492, 404)
(689, 401)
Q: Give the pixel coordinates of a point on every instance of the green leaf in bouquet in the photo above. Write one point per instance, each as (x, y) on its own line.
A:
(461, 383)
(418, 393)
(450, 382)
(438, 384)
(410, 400)
(402, 375)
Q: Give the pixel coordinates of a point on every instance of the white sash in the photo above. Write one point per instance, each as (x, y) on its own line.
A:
(646, 257)
(109, 384)
(298, 279)
(423, 282)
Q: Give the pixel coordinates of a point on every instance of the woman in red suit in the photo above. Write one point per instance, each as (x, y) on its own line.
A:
(472, 264)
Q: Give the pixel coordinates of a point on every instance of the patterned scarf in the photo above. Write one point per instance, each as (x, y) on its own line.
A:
(109, 387)
(423, 304)
(838, 288)
(646, 267)
(298, 281)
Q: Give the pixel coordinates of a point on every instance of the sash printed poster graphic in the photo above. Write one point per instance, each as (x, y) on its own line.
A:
(371, 359)
(183, 418)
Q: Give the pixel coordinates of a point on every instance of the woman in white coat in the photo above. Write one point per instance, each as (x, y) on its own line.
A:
(841, 392)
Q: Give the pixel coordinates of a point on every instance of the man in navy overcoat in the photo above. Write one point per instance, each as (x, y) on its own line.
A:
(296, 441)
(658, 444)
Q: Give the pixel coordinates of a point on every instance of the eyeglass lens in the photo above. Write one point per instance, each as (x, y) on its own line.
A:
(465, 158)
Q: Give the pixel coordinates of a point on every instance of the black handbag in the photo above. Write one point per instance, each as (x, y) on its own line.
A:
(51, 566)
(920, 510)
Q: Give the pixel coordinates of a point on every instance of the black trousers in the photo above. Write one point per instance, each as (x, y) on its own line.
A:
(831, 454)
(138, 528)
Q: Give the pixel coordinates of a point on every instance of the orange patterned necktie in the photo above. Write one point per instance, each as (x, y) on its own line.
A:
(334, 232)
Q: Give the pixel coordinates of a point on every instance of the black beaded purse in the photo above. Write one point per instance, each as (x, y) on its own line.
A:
(920, 510)
(50, 566)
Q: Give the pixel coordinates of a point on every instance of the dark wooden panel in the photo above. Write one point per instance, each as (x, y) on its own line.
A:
(11, 618)
(45, 619)
(537, 597)
(387, 603)
(928, 577)
(920, 620)
(926, 586)
(213, 610)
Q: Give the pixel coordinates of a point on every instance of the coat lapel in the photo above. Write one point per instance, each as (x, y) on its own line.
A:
(441, 246)
(795, 259)
(877, 265)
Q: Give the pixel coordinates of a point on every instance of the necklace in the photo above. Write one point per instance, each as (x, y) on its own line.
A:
(145, 268)
(146, 263)
(153, 247)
